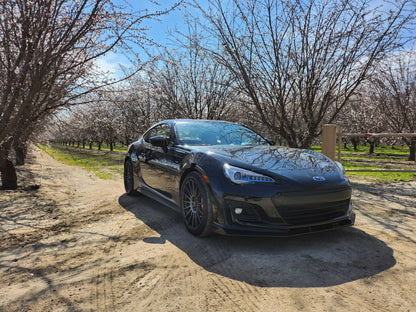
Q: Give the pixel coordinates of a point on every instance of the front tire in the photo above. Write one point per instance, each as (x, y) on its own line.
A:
(128, 177)
(196, 205)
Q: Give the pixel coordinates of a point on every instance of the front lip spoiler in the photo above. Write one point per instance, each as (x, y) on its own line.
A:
(283, 231)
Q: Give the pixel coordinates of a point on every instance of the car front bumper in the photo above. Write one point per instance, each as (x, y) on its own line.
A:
(283, 230)
(285, 213)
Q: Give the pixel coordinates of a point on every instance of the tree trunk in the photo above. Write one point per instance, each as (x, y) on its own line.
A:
(20, 152)
(412, 147)
(111, 146)
(355, 143)
(372, 143)
(8, 174)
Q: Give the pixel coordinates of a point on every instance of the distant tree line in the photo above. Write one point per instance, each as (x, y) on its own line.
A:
(386, 102)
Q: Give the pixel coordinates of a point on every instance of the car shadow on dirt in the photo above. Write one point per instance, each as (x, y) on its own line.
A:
(314, 260)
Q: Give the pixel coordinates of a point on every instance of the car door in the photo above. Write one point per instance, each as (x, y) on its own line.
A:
(160, 166)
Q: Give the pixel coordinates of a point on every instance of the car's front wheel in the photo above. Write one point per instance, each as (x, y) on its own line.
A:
(128, 177)
(196, 205)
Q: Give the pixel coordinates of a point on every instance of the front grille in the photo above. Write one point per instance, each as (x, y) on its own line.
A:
(298, 208)
(307, 214)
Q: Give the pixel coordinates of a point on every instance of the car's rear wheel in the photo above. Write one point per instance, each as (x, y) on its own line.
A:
(196, 205)
(128, 177)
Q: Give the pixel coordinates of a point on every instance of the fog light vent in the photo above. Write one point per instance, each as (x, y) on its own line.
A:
(238, 211)
(244, 211)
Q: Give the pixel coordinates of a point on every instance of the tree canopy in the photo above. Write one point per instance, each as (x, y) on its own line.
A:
(47, 49)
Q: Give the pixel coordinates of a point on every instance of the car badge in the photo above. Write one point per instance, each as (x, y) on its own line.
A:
(318, 178)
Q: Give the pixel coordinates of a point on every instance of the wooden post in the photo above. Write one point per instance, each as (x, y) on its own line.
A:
(329, 140)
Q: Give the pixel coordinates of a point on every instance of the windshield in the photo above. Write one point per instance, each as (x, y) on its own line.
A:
(216, 133)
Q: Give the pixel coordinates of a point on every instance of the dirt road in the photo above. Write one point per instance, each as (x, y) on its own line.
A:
(79, 243)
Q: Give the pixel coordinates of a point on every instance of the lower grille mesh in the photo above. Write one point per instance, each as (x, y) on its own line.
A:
(297, 208)
(306, 214)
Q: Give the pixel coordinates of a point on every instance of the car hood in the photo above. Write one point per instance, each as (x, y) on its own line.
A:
(289, 162)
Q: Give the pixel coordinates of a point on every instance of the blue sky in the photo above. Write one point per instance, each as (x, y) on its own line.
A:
(159, 30)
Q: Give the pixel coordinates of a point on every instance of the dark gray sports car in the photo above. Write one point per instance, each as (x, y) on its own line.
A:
(225, 178)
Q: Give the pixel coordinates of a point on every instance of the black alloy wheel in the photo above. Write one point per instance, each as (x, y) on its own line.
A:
(128, 177)
(196, 205)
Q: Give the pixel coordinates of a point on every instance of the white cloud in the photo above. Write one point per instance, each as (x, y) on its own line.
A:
(112, 64)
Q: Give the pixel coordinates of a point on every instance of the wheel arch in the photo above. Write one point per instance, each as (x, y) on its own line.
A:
(208, 213)
(214, 201)
(190, 168)
(136, 170)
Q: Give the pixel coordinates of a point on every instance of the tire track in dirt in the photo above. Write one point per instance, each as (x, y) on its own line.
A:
(229, 291)
(366, 303)
(151, 288)
(195, 287)
(214, 254)
(104, 295)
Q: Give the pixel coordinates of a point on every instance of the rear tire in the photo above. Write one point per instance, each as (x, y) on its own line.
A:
(128, 177)
(196, 205)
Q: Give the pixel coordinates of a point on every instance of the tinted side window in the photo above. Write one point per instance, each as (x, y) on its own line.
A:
(162, 130)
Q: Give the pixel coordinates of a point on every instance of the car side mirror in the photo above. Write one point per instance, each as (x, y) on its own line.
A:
(158, 141)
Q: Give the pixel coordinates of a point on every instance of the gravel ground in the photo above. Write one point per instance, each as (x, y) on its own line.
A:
(79, 243)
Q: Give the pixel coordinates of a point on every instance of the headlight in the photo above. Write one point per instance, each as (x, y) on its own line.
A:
(242, 176)
(340, 167)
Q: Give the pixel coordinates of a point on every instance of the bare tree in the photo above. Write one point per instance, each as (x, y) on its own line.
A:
(47, 49)
(136, 107)
(394, 92)
(189, 83)
(299, 62)
(362, 115)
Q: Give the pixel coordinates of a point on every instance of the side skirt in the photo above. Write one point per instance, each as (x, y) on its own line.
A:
(147, 191)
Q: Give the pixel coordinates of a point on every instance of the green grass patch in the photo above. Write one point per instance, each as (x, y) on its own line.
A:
(380, 177)
(104, 147)
(381, 149)
(104, 165)
(382, 153)
(369, 157)
(365, 149)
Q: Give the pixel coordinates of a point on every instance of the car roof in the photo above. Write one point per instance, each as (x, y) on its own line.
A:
(193, 120)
